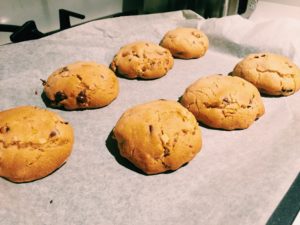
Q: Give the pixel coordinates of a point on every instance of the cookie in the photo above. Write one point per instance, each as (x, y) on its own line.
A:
(185, 43)
(81, 85)
(158, 136)
(33, 143)
(223, 102)
(272, 74)
(142, 59)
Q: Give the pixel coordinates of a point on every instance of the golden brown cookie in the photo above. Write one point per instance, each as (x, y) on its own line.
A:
(158, 136)
(33, 143)
(81, 85)
(223, 102)
(272, 74)
(185, 43)
(142, 59)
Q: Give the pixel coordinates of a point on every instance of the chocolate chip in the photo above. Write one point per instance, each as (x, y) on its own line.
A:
(64, 69)
(166, 152)
(66, 123)
(35, 92)
(150, 128)
(226, 100)
(4, 129)
(52, 134)
(251, 99)
(134, 53)
(165, 165)
(263, 55)
(81, 98)
(51, 201)
(60, 96)
(256, 57)
(195, 34)
(43, 82)
(124, 54)
(286, 90)
(79, 77)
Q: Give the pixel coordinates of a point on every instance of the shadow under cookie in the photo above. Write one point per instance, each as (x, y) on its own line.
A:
(119, 75)
(218, 129)
(125, 76)
(272, 96)
(26, 182)
(112, 146)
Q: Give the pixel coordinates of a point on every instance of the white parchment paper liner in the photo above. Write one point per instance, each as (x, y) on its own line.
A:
(239, 177)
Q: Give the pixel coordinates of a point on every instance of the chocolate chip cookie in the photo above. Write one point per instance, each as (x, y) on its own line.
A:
(142, 59)
(272, 74)
(33, 143)
(224, 102)
(185, 43)
(81, 85)
(158, 136)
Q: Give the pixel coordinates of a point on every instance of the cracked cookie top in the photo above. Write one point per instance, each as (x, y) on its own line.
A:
(158, 136)
(33, 143)
(142, 59)
(185, 43)
(81, 85)
(272, 74)
(223, 102)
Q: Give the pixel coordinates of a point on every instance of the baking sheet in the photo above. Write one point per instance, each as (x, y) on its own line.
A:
(239, 177)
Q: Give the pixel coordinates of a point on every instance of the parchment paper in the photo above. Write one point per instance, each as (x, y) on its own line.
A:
(239, 177)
